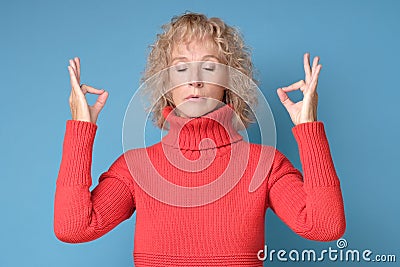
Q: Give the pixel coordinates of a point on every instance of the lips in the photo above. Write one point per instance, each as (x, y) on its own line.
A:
(195, 98)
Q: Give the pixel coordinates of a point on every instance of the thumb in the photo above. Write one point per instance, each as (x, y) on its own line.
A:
(101, 101)
(284, 98)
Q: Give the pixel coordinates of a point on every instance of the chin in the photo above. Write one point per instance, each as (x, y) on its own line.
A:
(193, 110)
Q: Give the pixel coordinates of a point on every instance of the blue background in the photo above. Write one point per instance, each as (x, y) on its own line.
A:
(358, 42)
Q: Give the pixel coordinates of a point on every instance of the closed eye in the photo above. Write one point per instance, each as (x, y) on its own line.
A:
(209, 66)
(181, 67)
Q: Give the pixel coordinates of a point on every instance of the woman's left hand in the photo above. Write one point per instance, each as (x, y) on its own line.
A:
(306, 109)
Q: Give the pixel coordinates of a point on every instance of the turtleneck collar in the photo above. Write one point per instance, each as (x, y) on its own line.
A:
(187, 133)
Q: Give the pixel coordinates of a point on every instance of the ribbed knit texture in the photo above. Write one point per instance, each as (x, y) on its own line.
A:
(226, 232)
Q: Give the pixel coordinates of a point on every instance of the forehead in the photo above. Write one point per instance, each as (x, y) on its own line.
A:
(195, 47)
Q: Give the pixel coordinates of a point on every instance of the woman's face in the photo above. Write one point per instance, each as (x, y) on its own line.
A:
(194, 96)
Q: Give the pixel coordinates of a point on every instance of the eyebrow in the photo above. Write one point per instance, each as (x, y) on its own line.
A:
(185, 58)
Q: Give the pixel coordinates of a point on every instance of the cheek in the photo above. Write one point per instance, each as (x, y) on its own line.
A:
(177, 94)
(217, 92)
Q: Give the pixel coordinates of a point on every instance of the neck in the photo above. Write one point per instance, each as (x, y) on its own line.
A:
(192, 134)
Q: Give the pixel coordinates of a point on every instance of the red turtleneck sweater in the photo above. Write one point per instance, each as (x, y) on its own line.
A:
(218, 225)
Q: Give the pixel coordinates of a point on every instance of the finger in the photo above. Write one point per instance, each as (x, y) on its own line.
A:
(72, 64)
(78, 68)
(72, 75)
(284, 98)
(101, 101)
(74, 83)
(300, 84)
(307, 68)
(314, 81)
(315, 63)
(92, 90)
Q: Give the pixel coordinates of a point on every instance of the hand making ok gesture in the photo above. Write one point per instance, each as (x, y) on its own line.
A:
(80, 109)
(306, 109)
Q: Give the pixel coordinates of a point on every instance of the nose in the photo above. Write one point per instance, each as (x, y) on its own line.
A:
(197, 84)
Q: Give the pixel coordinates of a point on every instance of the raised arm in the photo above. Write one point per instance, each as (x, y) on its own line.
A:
(81, 215)
(310, 204)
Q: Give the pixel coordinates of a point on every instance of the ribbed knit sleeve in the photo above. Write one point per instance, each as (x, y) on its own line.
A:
(81, 215)
(311, 204)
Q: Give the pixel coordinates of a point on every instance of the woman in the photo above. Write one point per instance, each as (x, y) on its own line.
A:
(225, 231)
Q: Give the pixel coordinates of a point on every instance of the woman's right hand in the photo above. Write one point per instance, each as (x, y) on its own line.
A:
(80, 109)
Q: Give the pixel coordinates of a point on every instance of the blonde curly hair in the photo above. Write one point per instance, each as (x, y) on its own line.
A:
(232, 51)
